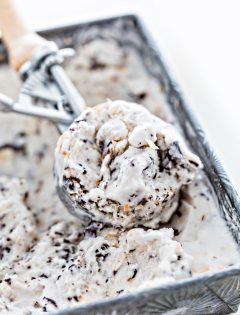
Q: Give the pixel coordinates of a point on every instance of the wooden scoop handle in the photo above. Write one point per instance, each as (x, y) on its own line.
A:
(19, 40)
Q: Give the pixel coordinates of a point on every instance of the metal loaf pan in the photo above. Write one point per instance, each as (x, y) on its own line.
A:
(216, 293)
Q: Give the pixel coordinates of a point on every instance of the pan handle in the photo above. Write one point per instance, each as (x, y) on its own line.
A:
(19, 40)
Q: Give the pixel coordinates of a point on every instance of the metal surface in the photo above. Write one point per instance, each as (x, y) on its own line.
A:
(41, 91)
(8, 105)
(46, 92)
(47, 61)
(217, 293)
(69, 91)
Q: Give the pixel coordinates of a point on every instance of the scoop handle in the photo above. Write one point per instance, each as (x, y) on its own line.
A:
(19, 40)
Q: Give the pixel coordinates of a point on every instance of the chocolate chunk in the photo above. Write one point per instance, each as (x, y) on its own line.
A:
(95, 64)
(51, 301)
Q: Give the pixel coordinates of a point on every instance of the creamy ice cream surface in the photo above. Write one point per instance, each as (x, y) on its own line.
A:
(124, 165)
(68, 264)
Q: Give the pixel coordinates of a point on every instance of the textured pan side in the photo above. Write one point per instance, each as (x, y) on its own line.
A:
(214, 294)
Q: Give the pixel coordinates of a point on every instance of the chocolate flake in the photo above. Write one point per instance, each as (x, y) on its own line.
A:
(51, 301)
(8, 280)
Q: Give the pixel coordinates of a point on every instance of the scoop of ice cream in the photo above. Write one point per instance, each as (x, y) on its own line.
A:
(124, 165)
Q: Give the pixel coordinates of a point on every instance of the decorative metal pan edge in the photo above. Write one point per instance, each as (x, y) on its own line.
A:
(216, 293)
(200, 295)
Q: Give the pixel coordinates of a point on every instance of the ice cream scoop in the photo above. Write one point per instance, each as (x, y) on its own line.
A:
(118, 163)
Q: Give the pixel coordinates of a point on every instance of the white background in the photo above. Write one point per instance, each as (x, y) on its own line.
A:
(200, 40)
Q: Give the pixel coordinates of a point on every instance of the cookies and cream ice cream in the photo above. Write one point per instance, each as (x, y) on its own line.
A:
(17, 223)
(124, 165)
(47, 257)
(42, 273)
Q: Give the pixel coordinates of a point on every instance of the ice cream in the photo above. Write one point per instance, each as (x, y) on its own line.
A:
(17, 223)
(104, 70)
(69, 264)
(42, 245)
(124, 165)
